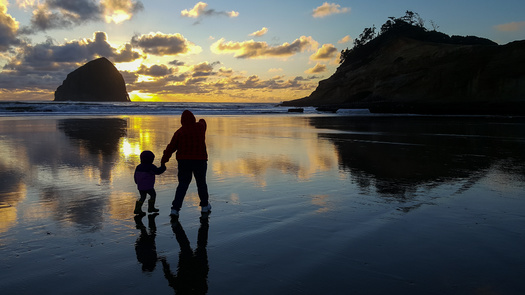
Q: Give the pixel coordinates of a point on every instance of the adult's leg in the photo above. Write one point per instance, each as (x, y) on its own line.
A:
(200, 168)
(184, 176)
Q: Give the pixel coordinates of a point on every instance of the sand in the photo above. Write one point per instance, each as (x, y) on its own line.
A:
(301, 205)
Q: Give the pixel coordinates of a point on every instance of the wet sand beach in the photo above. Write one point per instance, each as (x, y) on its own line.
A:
(301, 204)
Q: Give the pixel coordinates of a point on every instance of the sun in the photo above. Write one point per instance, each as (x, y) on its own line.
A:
(117, 17)
(136, 95)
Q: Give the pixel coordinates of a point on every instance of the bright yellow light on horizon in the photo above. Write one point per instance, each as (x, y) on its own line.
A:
(143, 78)
(136, 95)
(129, 66)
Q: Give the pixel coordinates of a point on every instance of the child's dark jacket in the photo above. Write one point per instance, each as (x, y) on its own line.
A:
(145, 175)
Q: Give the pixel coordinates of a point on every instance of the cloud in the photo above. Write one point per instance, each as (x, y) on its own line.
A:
(511, 27)
(8, 29)
(328, 9)
(252, 49)
(126, 54)
(70, 52)
(327, 51)
(165, 44)
(45, 65)
(53, 14)
(318, 68)
(203, 79)
(155, 70)
(345, 39)
(225, 72)
(201, 9)
(260, 33)
(176, 63)
(63, 14)
(117, 11)
(203, 69)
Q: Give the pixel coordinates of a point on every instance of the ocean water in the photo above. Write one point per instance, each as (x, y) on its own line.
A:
(151, 108)
(311, 203)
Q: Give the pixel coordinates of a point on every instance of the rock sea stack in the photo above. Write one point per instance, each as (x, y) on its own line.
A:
(97, 81)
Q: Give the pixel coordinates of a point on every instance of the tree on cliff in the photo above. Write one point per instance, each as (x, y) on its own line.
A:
(410, 19)
(410, 25)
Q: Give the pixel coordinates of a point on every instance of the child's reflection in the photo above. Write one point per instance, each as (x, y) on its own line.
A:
(192, 270)
(145, 245)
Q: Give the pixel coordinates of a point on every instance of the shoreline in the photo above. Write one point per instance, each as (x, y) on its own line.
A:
(314, 204)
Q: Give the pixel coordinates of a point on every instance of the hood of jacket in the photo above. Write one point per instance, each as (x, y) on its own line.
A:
(187, 118)
(147, 157)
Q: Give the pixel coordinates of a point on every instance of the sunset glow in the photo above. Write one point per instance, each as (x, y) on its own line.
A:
(226, 51)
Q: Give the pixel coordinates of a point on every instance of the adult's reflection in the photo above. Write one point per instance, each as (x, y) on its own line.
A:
(145, 245)
(192, 270)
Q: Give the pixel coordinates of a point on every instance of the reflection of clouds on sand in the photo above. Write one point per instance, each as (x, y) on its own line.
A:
(323, 202)
(403, 156)
(255, 167)
(67, 170)
(97, 141)
(12, 187)
(120, 205)
(234, 199)
(12, 191)
(81, 208)
(258, 147)
(506, 177)
(8, 216)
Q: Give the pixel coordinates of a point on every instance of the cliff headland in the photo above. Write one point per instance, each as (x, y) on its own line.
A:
(409, 69)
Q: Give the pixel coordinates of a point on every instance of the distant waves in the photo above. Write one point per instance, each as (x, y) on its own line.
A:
(152, 108)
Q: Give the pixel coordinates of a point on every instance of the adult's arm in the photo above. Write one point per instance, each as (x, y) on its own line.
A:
(170, 149)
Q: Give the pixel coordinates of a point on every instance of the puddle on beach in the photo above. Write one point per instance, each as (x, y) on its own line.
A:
(301, 205)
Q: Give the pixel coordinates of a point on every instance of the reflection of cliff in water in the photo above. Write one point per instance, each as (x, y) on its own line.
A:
(100, 137)
(397, 155)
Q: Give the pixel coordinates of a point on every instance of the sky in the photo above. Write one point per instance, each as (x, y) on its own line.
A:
(214, 51)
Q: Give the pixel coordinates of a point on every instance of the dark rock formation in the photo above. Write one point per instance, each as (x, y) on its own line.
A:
(427, 73)
(97, 80)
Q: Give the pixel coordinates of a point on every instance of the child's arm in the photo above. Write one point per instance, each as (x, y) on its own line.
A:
(159, 170)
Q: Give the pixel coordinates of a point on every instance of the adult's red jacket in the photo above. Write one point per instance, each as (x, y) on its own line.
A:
(189, 141)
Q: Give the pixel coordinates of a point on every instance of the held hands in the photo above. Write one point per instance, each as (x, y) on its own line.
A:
(164, 160)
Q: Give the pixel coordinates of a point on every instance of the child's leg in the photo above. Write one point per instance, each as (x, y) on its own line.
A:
(143, 195)
(152, 194)
(138, 204)
(151, 203)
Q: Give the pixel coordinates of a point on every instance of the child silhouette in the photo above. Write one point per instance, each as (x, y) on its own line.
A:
(145, 180)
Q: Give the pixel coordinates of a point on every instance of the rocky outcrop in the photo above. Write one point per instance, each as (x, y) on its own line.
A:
(97, 80)
(407, 73)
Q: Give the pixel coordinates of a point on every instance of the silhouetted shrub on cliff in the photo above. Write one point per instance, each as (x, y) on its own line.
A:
(411, 25)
